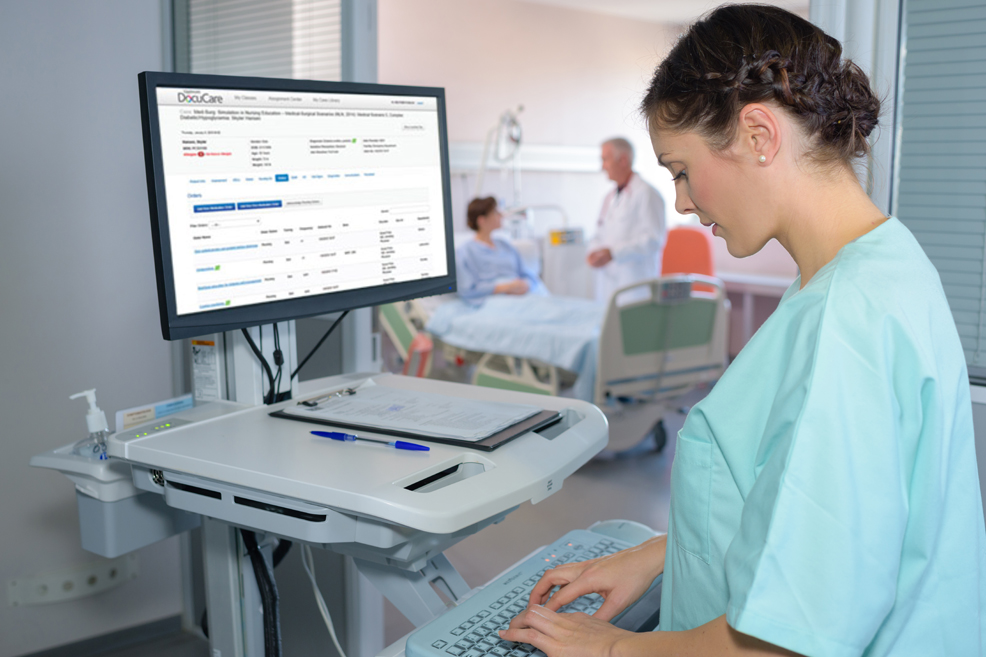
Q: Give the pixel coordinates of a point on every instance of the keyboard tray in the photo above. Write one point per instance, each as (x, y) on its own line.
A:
(470, 629)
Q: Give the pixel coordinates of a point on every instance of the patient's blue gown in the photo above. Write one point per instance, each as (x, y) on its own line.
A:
(481, 267)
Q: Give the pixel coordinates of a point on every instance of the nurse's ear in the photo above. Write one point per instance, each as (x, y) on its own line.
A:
(759, 134)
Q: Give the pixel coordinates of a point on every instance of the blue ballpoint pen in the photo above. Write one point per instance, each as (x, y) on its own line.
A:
(351, 437)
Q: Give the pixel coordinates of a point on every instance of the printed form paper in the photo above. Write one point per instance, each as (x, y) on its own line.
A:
(419, 412)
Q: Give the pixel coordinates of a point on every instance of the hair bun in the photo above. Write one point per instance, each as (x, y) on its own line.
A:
(852, 110)
(741, 54)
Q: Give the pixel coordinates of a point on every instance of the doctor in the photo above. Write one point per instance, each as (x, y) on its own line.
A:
(630, 235)
(825, 499)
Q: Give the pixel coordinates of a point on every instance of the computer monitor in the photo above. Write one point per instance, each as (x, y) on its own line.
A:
(279, 199)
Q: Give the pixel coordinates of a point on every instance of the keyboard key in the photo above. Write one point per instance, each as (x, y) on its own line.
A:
(456, 651)
(464, 644)
(475, 619)
(439, 644)
(474, 636)
(483, 614)
(458, 631)
(496, 605)
(474, 653)
(467, 625)
(485, 646)
(498, 651)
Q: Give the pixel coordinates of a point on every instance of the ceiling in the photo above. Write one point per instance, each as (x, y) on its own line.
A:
(661, 11)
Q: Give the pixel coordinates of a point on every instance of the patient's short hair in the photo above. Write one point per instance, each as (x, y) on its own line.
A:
(479, 207)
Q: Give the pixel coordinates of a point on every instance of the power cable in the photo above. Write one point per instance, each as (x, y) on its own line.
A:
(279, 361)
(268, 595)
(269, 397)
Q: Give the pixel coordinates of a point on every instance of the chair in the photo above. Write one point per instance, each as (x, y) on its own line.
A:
(688, 250)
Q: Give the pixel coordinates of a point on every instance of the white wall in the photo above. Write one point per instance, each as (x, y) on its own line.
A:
(580, 77)
(78, 304)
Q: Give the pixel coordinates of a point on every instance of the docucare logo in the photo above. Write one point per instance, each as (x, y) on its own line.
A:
(199, 98)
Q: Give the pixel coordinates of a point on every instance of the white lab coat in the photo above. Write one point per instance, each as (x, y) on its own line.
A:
(631, 225)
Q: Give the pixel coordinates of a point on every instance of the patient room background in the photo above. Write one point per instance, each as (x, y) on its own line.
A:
(76, 270)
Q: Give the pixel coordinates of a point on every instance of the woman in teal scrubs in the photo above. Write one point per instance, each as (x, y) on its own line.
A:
(824, 496)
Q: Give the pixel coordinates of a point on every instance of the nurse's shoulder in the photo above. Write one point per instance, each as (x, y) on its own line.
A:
(884, 297)
(882, 275)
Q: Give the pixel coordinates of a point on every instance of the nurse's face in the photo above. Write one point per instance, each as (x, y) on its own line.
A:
(718, 186)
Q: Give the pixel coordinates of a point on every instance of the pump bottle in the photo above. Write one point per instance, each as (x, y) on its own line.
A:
(93, 446)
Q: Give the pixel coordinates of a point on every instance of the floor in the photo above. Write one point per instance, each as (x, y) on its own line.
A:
(631, 488)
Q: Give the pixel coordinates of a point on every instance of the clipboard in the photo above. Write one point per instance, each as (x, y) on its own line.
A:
(542, 420)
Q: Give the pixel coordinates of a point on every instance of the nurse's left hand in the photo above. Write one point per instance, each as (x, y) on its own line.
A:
(564, 635)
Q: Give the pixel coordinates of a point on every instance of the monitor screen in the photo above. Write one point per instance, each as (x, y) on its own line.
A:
(278, 199)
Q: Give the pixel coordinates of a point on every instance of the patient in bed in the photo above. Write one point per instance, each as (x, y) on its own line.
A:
(489, 265)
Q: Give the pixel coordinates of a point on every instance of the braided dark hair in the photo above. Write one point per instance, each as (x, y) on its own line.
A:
(741, 54)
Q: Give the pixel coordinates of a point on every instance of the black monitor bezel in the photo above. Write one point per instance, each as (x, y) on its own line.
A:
(176, 327)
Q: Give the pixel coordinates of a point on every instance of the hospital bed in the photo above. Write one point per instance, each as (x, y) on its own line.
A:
(634, 357)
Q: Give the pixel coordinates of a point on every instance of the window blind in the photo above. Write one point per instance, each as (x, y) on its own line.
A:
(941, 154)
(266, 38)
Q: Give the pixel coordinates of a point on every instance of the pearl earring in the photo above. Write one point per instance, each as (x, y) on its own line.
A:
(762, 158)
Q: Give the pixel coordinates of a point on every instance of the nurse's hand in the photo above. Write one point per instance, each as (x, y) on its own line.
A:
(619, 578)
(563, 635)
(518, 286)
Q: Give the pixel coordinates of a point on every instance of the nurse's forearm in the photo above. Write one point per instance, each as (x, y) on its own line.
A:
(714, 638)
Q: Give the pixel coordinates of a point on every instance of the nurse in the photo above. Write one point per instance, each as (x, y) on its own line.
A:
(824, 495)
(491, 265)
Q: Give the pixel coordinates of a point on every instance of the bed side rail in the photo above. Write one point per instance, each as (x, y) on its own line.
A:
(403, 322)
(661, 338)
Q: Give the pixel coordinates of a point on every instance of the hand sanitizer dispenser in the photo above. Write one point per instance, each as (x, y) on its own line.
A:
(94, 446)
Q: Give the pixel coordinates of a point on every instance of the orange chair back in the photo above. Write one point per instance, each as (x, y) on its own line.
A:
(688, 250)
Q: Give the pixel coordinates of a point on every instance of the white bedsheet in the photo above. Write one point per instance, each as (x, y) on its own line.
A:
(560, 331)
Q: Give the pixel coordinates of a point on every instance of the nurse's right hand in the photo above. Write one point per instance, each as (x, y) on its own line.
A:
(619, 578)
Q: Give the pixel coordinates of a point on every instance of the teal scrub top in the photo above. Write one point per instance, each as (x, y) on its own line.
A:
(825, 494)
